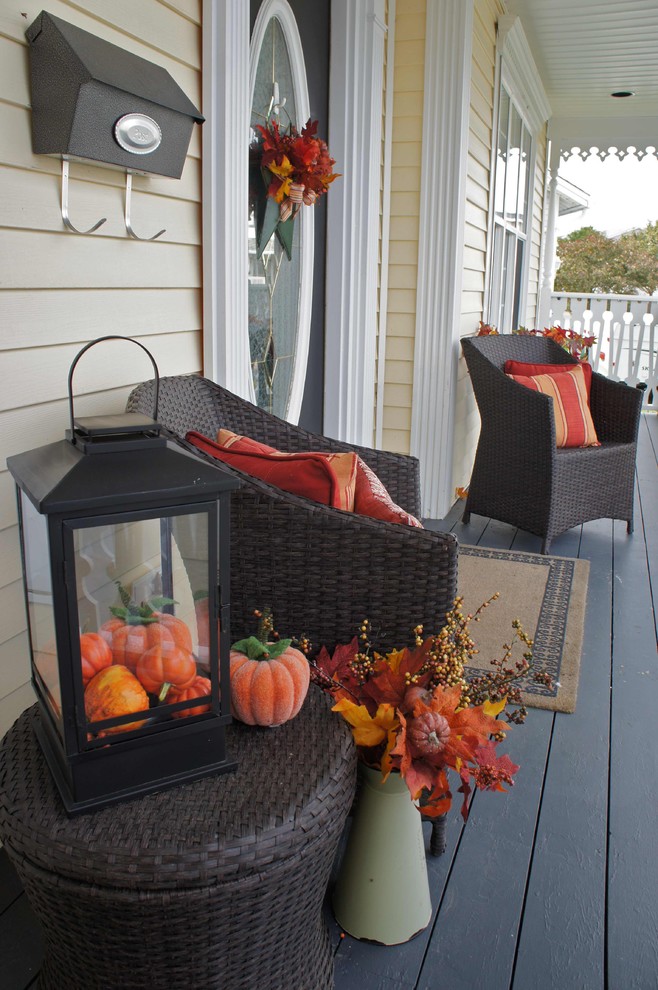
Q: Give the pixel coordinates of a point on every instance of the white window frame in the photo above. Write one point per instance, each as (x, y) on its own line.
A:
(517, 72)
(525, 236)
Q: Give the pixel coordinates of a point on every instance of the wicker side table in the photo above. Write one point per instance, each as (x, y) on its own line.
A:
(213, 884)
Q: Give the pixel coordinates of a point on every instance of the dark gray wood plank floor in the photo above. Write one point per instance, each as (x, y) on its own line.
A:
(555, 884)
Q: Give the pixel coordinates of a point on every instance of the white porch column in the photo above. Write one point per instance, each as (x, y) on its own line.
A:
(225, 160)
(448, 46)
(358, 31)
(549, 240)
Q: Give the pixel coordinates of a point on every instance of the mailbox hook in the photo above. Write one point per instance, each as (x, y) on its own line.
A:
(129, 226)
(65, 204)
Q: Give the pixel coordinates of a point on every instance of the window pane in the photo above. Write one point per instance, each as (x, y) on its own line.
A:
(524, 179)
(143, 587)
(496, 277)
(507, 282)
(274, 280)
(516, 317)
(512, 178)
(40, 607)
(501, 153)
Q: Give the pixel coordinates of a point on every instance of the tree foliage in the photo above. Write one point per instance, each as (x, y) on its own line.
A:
(592, 262)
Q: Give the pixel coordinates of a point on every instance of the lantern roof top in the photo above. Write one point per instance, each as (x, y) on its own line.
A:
(60, 478)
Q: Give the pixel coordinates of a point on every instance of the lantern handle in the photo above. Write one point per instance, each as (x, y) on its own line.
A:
(99, 340)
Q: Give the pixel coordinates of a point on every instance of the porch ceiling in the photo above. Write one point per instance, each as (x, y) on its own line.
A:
(587, 49)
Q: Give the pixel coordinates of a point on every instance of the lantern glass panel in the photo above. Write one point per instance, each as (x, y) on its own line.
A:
(143, 585)
(41, 613)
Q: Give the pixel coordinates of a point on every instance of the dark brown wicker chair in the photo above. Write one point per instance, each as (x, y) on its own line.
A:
(519, 475)
(320, 569)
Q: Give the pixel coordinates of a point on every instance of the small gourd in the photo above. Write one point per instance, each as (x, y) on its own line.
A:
(428, 734)
(165, 666)
(95, 654)
(269, 681)
(199, 688)
(114, 691)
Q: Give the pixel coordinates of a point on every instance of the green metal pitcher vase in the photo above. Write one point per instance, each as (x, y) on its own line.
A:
(382, 891)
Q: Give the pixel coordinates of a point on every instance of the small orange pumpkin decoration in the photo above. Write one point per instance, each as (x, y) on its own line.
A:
(134, 629)
(199, 688)
(165, 666)
(114, 691)
(95, 654)
(269, 681)
(169, 626)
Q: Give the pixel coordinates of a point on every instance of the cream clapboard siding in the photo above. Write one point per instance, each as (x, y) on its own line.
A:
(405, 222)
(59, 290)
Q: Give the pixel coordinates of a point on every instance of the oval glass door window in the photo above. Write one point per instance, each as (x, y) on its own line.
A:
(280, 289)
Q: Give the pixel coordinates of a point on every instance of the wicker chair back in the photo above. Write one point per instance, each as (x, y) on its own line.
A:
(320, 569)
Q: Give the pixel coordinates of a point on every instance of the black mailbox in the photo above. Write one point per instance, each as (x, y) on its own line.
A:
(93, 100)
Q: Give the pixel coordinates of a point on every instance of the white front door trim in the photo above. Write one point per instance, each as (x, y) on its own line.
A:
(225, 163)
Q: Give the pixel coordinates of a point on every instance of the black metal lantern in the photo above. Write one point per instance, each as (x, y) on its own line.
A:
(125, 546)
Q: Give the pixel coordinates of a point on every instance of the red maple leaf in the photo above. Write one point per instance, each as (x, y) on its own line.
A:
(335, 672)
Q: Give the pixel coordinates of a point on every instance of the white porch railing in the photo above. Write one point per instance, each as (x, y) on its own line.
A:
(626, 347)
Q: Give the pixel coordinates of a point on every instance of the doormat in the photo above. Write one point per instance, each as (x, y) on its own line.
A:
(548, 596)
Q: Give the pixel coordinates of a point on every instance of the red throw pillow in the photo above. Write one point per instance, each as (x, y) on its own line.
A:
(325, 478)
(372, 499)
(573, 421)
(370, 495)
(528, 369)
(228, 439)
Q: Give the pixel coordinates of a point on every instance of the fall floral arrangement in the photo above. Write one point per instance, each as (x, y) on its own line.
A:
(413, 710)
(575, 343)
(296, 170)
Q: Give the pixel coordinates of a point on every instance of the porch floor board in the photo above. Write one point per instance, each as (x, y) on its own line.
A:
(554, 883)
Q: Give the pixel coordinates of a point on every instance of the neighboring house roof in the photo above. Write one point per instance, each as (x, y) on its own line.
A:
(571, 198)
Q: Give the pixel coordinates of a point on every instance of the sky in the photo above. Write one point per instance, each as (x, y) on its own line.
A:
(623, 195)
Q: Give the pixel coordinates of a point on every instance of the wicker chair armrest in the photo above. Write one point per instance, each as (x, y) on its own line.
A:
(521, 418)
(616, 409)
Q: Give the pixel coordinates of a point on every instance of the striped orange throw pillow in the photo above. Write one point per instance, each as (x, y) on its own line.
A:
(573, 421)
(296, 473)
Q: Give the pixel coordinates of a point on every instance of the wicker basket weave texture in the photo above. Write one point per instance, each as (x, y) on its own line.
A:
(213, 884)
(320, 569)
(519, 475)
